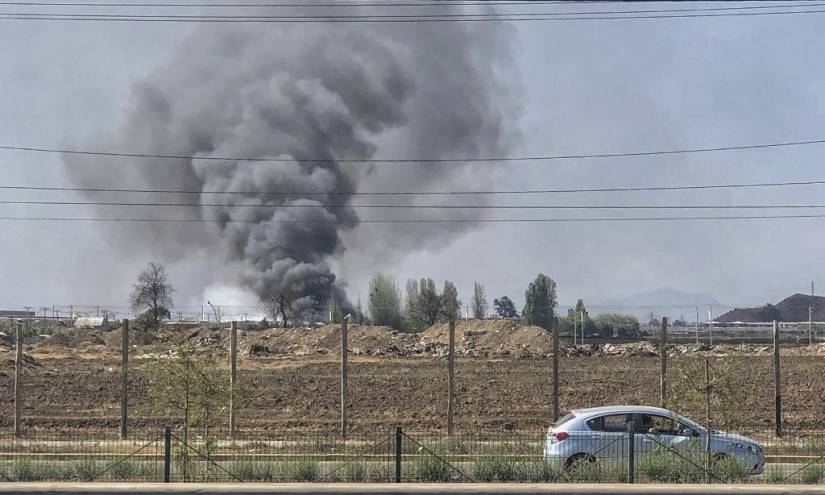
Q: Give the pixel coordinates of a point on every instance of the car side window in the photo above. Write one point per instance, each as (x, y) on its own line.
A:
(658, 425)
(686, 431)
(609, 423)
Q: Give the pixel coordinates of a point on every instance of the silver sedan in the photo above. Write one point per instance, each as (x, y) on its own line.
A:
(603, 433)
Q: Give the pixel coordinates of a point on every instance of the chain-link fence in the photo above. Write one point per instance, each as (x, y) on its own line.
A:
(175, 455)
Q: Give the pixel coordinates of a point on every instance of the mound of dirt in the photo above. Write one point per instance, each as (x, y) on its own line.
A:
(74, 338)
(485, 337)
(137, 336)
(322, 340)
(28, 362)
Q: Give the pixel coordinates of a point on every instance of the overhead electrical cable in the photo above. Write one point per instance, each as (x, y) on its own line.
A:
(423, 3)
(418, 193)
(496, 159)
(402, 16)
(402, 221)
(419, 18)
(413, 206)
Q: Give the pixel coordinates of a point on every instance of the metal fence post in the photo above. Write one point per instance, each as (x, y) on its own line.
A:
(555, 336)
(167, 454)
(18, 381)
(451, 378)
(124, 379)
(776, 380)
(663, 362)
(398, 439)
(631, 453)
(233, 376)
(344, 377)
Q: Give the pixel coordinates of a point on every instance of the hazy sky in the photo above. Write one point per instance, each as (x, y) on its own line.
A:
(584, 87)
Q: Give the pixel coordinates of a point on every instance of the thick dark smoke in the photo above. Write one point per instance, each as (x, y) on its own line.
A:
(305, 92)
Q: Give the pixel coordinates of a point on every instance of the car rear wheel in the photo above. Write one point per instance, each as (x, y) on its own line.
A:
(579, 462)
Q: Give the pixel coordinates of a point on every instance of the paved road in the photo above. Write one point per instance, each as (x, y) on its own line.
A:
(404, 488)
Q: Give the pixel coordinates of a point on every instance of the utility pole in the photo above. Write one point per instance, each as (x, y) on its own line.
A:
(710, 325)
(582, 315)
(697, 324)
(575, 329)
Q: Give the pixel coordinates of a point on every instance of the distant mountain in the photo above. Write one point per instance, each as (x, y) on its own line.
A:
(664, 297)
(793, 308)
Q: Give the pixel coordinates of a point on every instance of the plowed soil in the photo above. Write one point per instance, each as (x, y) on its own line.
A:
(72, 382)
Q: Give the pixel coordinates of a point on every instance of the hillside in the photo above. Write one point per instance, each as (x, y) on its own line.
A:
(793, 308)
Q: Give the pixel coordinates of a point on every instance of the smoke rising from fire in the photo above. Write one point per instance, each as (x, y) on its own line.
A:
(306, 92)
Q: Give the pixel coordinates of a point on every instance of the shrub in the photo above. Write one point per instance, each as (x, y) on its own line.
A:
(730, 469)
(774, 475)
(494, 468)
(427, 467)
(25, 470)
(813, 474)
(537, 472)
(304, 469)
(666, 467)
(244, 469)
(268, 471)
(125, 470)
(356, 472)
(359, 471)
(250, 470)
(84, 469)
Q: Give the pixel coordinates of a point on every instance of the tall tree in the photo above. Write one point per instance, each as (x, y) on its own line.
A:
(479, 302)
(279, 304)
(153, 292)
(190, 386)
(450, 304)
(574, 319)
(505, 307)
(411, 294)
(359, 315)
(540, 301)
(334, 311)
(429, 302)
(580, 308)
(385, 301)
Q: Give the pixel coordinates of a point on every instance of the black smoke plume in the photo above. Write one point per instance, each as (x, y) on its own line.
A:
(306, 92)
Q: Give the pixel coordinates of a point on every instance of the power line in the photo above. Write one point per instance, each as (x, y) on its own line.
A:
(417, 160)
(420, 193)
(423, 3)
(372, 18)
(398, 16)
(414, 206)
(403, 221)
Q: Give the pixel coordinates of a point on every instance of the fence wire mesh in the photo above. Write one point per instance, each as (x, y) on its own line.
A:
(264, 456)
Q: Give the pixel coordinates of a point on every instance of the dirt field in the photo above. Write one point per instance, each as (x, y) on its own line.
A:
(72, 382)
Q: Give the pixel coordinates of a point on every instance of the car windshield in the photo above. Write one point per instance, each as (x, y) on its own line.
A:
(692, 424)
